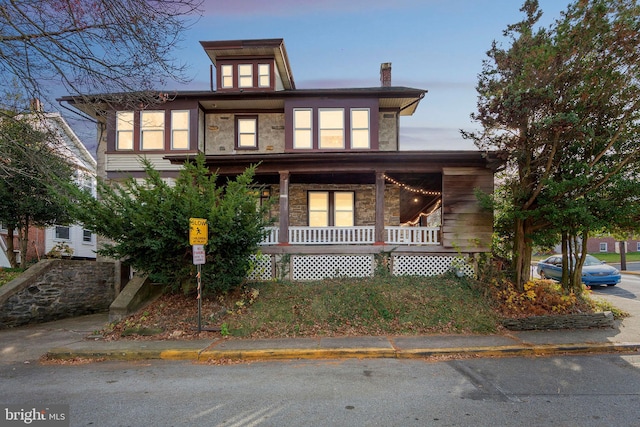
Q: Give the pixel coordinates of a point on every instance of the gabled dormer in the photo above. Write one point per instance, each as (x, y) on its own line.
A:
(250, 65)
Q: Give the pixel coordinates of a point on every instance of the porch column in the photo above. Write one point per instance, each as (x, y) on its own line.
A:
(283, 236)
(379, 231)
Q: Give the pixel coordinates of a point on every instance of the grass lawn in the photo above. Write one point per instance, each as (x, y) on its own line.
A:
(8, 274)
(607, 257)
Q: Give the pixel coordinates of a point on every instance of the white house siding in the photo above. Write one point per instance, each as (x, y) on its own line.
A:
(80, 248)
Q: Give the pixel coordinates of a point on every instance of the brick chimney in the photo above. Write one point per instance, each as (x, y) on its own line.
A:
(385, 74)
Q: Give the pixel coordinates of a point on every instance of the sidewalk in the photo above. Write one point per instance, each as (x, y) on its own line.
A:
(71, 338)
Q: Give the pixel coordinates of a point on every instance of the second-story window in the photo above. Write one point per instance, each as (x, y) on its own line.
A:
(245, 75)
(151, 130)
(264, 75)
(124, 130)
(360, 128)
(247, 132)
(226, 77)
(302, 130)
(331, 128)
(180, 130)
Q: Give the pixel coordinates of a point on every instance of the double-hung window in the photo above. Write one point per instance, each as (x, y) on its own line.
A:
(226, 76)
(87, 236)
(247, 132)
(302, 128)
(245, 75)
(151, 130)
(179, 130)
(331, 208)
(264, 75)
(124, 130)
(62, 232)
(331, 128)
(360, 128)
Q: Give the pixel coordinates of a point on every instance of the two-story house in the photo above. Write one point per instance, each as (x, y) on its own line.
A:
(347, 197)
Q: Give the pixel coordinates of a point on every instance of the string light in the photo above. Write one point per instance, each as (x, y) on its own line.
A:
(412, 189)
(424, 215)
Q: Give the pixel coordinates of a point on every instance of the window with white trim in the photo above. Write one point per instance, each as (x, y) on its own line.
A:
(124, 130)
(226, 76)
(302, 128)
(247, 132)
(360, 128)
(264, 75)
(180, 129)
(152, 130)
(62, 232)
(87, 236)
(245, 75)
(331, 128)
(331, 208)
(603, 247)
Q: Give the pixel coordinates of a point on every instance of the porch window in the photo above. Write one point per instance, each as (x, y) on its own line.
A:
(302, 128)
(360, 128)
(180, 130)
(331, 128)
(245, 75)
(247, 132)
(124, 130)
(264, 75)
(331, 208)
(62, 233)
(226, 77)
(152, 130)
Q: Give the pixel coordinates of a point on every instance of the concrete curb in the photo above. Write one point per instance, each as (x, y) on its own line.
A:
(205, 355)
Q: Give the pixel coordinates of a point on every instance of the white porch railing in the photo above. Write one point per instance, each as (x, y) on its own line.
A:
(355, 235)
(331, 235)
(412, 235)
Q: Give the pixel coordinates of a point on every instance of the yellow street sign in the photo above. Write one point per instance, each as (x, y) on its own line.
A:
(198, 231)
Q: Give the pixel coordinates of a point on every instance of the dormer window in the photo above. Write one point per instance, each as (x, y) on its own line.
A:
(226, 78)
(264, 75)
(245, 75)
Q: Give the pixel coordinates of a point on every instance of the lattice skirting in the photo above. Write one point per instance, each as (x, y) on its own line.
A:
(425, 265)
(317, 267)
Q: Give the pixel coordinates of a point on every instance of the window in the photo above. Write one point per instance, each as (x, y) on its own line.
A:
(226, 78)
(245, 75)
(360, 128)
(302, 130)
(247, 132)
(603, 246)
(124, 130)
(637, 246)
(151, 130)
(331, 208)
(331, 128)
(264, 75)
(87, 237)
(62, 233)
(180, 130)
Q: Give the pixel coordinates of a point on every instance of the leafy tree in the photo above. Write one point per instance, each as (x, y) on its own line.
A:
(30, 195)
(561, 106)
(147, 223)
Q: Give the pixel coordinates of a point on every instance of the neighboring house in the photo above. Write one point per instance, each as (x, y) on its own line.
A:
(75, 241)
(605, 244)
(347, 196)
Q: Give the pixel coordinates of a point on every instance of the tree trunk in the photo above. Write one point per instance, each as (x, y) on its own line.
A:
(522, 249)
(623, 256)
(23, 241)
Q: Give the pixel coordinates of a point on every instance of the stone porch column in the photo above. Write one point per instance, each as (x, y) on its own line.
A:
(283, 236)
(379, 230)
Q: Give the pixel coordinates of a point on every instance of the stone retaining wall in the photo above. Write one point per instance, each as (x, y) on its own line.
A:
(54, 289)
(567, 321)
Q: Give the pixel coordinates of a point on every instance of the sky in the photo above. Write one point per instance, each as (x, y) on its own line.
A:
(436, 45)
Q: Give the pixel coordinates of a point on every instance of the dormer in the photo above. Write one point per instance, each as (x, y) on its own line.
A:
(250, 65)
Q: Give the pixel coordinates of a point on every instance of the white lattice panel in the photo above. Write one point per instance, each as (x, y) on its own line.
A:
(317, 267)
(419, 265)
(261, 268)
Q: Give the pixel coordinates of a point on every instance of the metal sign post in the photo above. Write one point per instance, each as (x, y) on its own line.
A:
(198, 237)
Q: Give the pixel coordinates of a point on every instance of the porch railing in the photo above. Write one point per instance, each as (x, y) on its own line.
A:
(355, 235)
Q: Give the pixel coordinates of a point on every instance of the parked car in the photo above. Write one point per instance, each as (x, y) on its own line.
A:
(594, 271)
